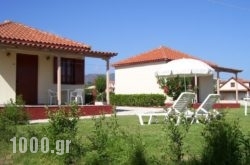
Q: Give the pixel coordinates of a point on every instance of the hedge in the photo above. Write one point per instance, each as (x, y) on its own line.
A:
(142, 100)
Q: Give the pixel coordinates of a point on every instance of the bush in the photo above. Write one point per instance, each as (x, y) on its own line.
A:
(15, 111)
(175, 135)
(89, 99)
(12, 114)
(143, 100)
(109, 144)
(63, 126)
(223, 143)
(173, 86)
(100, 84)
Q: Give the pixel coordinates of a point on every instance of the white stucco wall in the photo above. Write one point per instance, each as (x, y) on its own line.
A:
(228, 87)
(45, 80)
(45, 76)
(137, 79)
(140, 79)
(246, 84)
(229, 93)
(205, 87)
(7, 77)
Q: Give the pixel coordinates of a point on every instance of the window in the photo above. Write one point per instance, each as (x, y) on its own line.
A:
(67, 71)
(72, 71)
(232, 84)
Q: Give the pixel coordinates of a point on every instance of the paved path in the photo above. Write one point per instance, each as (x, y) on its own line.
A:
(120, 111)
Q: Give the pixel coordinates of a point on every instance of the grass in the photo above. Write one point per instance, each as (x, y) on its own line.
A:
(152, 136)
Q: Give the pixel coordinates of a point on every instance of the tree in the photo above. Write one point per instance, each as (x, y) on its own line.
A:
(100, 84)
(173, 86)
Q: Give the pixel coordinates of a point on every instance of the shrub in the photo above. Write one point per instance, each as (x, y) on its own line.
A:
(223, 143)
(7, 128)
(144, 100)
(15, 111)
(109, 144)
(63, 126)
(175, 135)
(100, 84)
(173, 86)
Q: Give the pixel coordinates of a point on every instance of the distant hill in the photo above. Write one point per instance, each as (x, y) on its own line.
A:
(90, 78)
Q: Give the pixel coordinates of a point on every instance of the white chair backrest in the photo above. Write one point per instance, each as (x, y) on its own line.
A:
(183, 101)
(51, 92)
(79, 91)
(208, 103)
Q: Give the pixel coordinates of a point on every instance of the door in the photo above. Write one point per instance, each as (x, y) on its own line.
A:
(26, 77)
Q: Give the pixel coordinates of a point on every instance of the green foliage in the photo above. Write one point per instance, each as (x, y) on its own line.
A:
(15, 111)
(175, 135)
(12, 114)
(7, 128)
(109, 144)
(173, 86)
(224, 144)
(100, 84)
(120, 140)
(63, 126)
(143, 100)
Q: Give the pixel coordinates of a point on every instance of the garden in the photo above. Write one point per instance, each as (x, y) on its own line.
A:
(121, 140)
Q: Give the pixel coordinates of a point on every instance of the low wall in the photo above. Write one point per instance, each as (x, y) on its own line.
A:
(39, 112)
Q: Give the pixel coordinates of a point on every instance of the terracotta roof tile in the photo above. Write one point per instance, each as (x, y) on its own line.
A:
(12, 33)
(159, 54)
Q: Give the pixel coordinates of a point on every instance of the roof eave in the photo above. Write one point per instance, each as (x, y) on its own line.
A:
(224, 69)
(61, 48)
(121, 64)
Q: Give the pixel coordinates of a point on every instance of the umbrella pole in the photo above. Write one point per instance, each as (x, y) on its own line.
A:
(195, 87)
(185, 83)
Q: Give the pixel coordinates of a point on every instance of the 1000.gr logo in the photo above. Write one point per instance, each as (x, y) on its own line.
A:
(61, 145)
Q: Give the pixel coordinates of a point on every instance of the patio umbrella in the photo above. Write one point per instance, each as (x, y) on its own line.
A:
(185, 67)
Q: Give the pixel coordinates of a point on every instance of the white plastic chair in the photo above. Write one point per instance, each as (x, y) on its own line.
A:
(206, 108)
(52, 95)
(77, 96)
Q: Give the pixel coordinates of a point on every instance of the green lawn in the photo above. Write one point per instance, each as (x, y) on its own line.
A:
(152, 136)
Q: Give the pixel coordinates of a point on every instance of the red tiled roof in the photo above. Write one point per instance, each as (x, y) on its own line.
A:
(159, 54)
(243, 80)
(12, 33)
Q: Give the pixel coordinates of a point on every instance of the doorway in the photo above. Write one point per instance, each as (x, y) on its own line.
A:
(27, 77)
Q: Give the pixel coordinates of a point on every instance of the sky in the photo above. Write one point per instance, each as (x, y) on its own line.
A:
(213, 30)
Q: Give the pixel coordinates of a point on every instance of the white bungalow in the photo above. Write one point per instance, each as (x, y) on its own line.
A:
(33, 61)
(228, 88)
(136, 75)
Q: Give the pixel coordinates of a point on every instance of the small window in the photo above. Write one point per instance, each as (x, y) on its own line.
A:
(232, 84)
(72, 71)
(67, 71)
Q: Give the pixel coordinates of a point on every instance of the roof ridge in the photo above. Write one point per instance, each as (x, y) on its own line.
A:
(161, 48)
(47, 33)
(5, 22)
(161, 53)
(191, 56)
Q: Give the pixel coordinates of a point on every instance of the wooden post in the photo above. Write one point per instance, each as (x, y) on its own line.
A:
(218, 82)
(59, 81)
(107, 81)
(236, 88)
